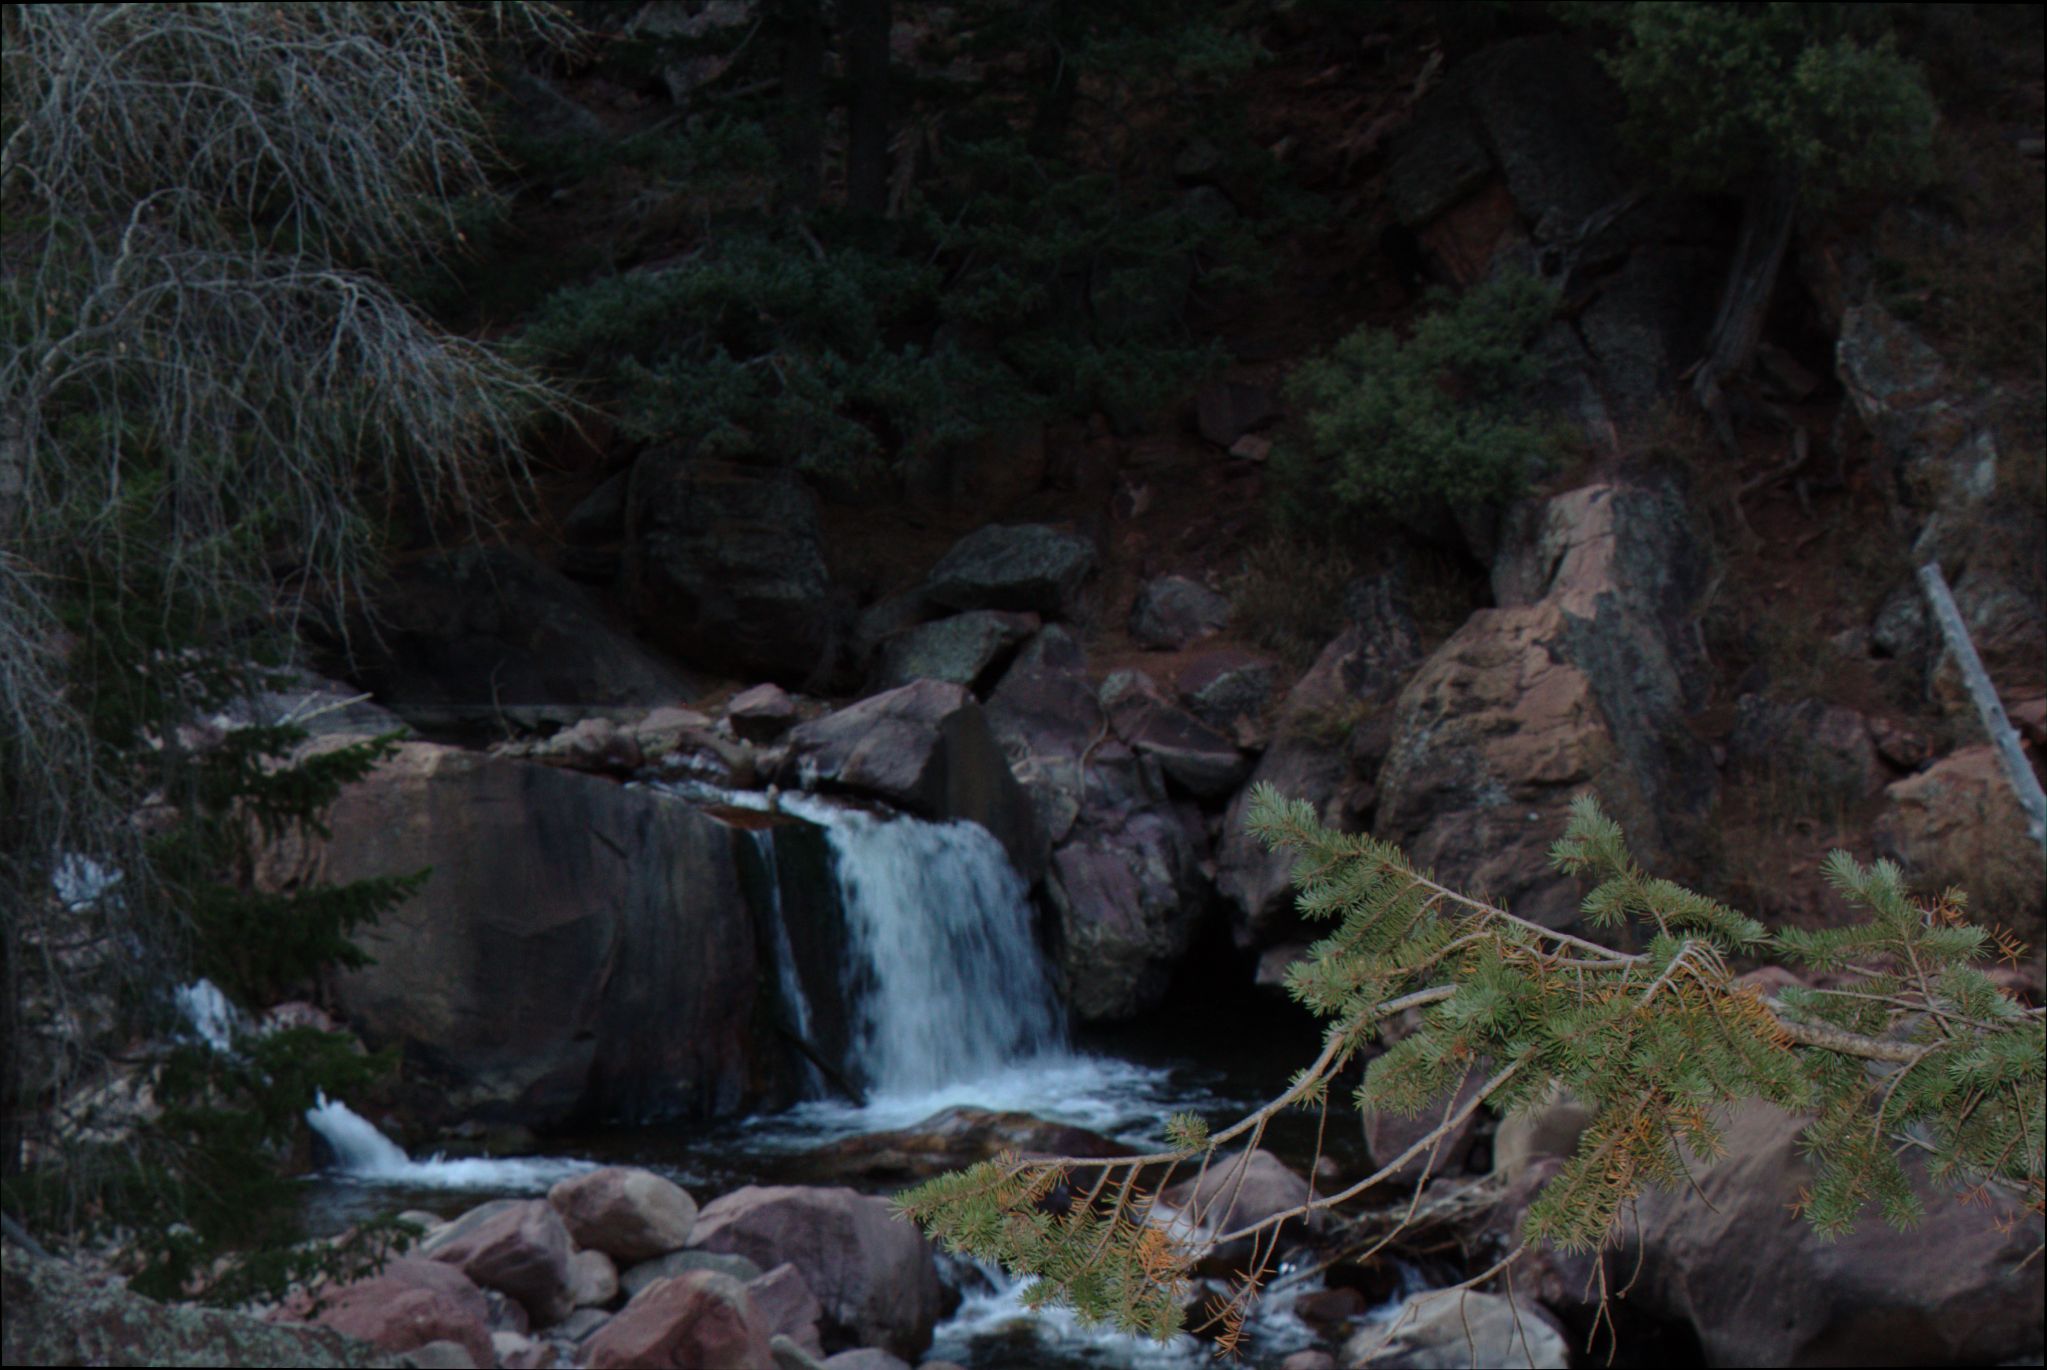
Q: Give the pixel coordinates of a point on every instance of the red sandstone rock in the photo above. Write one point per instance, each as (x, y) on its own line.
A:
(704, 1320)
(630, 1215)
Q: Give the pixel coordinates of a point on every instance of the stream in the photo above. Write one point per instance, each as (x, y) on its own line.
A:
(942, 997)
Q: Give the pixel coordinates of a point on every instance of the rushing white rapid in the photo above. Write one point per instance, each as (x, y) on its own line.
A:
(946, 981)
(363, 1154)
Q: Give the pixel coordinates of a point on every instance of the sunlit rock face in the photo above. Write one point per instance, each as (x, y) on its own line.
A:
(1578, 683)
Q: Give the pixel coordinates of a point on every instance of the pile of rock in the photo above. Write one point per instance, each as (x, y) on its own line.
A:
(619, 1267)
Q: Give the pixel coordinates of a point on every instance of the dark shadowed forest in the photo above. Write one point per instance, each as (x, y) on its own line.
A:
(773, 684)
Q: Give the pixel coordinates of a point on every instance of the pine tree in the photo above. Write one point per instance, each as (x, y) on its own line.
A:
(1917, 1046)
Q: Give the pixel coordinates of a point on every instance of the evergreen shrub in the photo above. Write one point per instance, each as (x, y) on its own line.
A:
(1392, 426)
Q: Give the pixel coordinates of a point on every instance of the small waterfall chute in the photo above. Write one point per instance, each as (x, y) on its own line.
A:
(364, 1154)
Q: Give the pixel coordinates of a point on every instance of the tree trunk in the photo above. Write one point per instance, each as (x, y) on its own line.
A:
(802, 29)
(1766, 222)
(867, 28)
(2011, 755)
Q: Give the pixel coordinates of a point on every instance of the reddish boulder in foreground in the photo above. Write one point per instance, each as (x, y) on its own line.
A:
(629, 1214)
(872, 1271)
(704, 1320)
(517, 1246)
(410, 1303)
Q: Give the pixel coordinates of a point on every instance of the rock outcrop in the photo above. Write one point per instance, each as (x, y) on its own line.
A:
(1732, 1256)
(58, 1316)
(925, 747)
(1332, 731)
(1579, 682)
(577, 948)
(1124, 876)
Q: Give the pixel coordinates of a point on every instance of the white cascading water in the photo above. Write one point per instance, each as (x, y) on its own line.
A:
(946, 980)
(789, 982)
(363, 1154)
(950, 999)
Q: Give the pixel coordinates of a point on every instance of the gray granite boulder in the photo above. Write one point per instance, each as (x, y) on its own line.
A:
(1024, 568)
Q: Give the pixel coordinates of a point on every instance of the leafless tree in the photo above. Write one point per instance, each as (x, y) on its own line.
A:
(202, 367)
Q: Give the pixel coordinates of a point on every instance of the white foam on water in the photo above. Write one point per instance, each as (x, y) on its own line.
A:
(994, 1308)
(210, 1014)
(365, 1155)
(81, 882)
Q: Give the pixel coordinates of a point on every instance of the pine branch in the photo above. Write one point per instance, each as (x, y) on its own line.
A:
(1923, 1049)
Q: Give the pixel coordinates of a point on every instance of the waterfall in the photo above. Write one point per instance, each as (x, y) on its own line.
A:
(362, 1153)
(942, 977)
(788, 980)
(209, 1014)
(945, 978)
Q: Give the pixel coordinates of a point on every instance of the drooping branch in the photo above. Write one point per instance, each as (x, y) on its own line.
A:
(1654, 1043)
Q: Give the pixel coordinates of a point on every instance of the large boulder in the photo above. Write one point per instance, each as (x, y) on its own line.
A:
(871, 1270)
(1449, 1331)
(1732, 1255)
(1125, 877)
(467, 639)
(629, 1214)
(1236, 1191)
(1205, 763)
(676, 1263)
(1046, 716)
(1579, 682)
(925, 747)
(577, 948)
(516, 1246)
(1958, 822)
(407, 1304)
(56, 1315)
(1024, 567)
(724, 566)
(1127, 894)
(1389, 1135)
(703, 1320)
(966, 649)
(1173, 612)
(1332, 729)
(788, 1307)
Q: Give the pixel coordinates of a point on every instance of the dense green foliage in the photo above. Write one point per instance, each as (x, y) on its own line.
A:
(1915, 1042)
(1036, 254)
(1721, 94)
(1392, 426)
